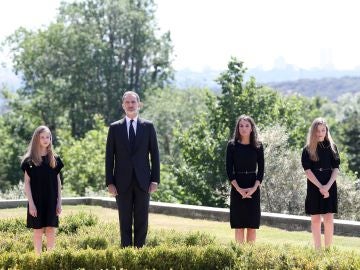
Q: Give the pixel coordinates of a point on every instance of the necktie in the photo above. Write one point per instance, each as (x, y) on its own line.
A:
(131, 135)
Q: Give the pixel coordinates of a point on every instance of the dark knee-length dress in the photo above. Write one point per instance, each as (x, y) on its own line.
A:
(315, 203)
(44, 190)
(245, 164)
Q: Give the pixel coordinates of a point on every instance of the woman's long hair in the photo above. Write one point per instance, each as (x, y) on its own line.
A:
(312, 141)
(254, 140)
(33, 150)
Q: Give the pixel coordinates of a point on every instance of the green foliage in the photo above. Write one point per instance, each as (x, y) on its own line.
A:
(182, 257)
(16, 128)
(166, 106)
(201, 167)
(93, 242)
(209, 257)
(349, 197)
(81, 64)
(84, 158)
(200, 170)
(296, 114)
(173, 238)
(72, 223)
(350, 129)
(14, 193)
(92, 246)
(283, 174)
(83, 230)
(15, 225)
(169, 190)
(289, 257)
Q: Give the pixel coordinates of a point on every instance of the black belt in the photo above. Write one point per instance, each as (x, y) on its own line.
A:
(323, 169)
(245, 172)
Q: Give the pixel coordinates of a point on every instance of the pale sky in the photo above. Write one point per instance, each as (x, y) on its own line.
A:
(205, 33)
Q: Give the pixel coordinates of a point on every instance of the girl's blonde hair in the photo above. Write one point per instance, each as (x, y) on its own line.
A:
(33, 150)
(312, 141)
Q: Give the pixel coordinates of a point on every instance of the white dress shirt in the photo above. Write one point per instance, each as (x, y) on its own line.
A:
(128, 124)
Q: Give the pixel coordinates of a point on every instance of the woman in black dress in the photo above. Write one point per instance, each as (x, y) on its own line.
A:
(42, 187)
(320, 160)
(245, 170)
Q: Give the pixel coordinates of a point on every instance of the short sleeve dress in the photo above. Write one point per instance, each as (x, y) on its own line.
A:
(44, 190)
(315, 203)
(245, 164)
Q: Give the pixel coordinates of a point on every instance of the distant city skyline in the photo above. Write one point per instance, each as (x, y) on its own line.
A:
(264, 34)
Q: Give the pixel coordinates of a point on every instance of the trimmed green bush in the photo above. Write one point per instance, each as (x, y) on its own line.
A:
(94, 242)
(173, 238)
(85, 243)
(186, 257)
(70, 224)
(13, 225)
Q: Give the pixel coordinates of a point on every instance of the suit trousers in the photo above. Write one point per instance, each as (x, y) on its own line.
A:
(133, 207)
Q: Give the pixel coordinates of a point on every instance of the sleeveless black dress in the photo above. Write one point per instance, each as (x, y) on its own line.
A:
(44, 190)
(245, 164)
(315, 203)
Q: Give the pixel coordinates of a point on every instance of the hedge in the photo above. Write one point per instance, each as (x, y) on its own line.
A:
(186, 257)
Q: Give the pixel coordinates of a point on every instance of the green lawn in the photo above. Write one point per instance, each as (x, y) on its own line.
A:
(220, 230)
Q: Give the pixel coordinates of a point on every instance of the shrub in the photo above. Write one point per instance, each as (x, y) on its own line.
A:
(94, 242)
(70, 224)
(14, 193)
(283, 174)
(13, 225)
(173, 238)
(182, 257)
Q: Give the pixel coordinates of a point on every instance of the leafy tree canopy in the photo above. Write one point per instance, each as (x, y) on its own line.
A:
(82, 63)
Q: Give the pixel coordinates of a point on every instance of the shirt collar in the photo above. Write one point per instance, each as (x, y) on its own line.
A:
(128, 119)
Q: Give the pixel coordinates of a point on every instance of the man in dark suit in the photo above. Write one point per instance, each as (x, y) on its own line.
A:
(130, 176)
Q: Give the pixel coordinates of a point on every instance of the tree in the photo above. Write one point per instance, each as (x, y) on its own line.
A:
(166, 106)
(201, 166)
(350, 130)
(16, 129)
(82, 64)
(84, 159)
(283, 174)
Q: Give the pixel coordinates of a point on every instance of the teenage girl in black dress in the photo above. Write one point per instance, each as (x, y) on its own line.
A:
(42, 187)
(320, 160)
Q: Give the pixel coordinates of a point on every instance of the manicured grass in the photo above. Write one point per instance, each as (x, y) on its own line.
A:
(220, 230)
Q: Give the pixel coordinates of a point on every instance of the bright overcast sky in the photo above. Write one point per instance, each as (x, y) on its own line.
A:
(205, 33)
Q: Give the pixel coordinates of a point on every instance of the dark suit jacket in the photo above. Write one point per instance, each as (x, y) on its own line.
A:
(120, 161)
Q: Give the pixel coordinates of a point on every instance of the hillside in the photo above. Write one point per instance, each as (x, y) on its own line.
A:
(308, 83)
(331, 88)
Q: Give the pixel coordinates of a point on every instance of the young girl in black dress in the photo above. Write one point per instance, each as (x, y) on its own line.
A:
(245, 170)
(42, 187)
(320, 160)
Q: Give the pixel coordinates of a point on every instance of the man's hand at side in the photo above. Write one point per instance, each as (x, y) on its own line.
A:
(112, 190)
(153, 187)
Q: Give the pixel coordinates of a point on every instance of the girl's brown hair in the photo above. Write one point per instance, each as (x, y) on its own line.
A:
(33, 150)
(312, 141)
(254, 140)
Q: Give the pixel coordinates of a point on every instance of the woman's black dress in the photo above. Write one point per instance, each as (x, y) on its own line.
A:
(44, 190)
(242, 161)
(315, 203)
